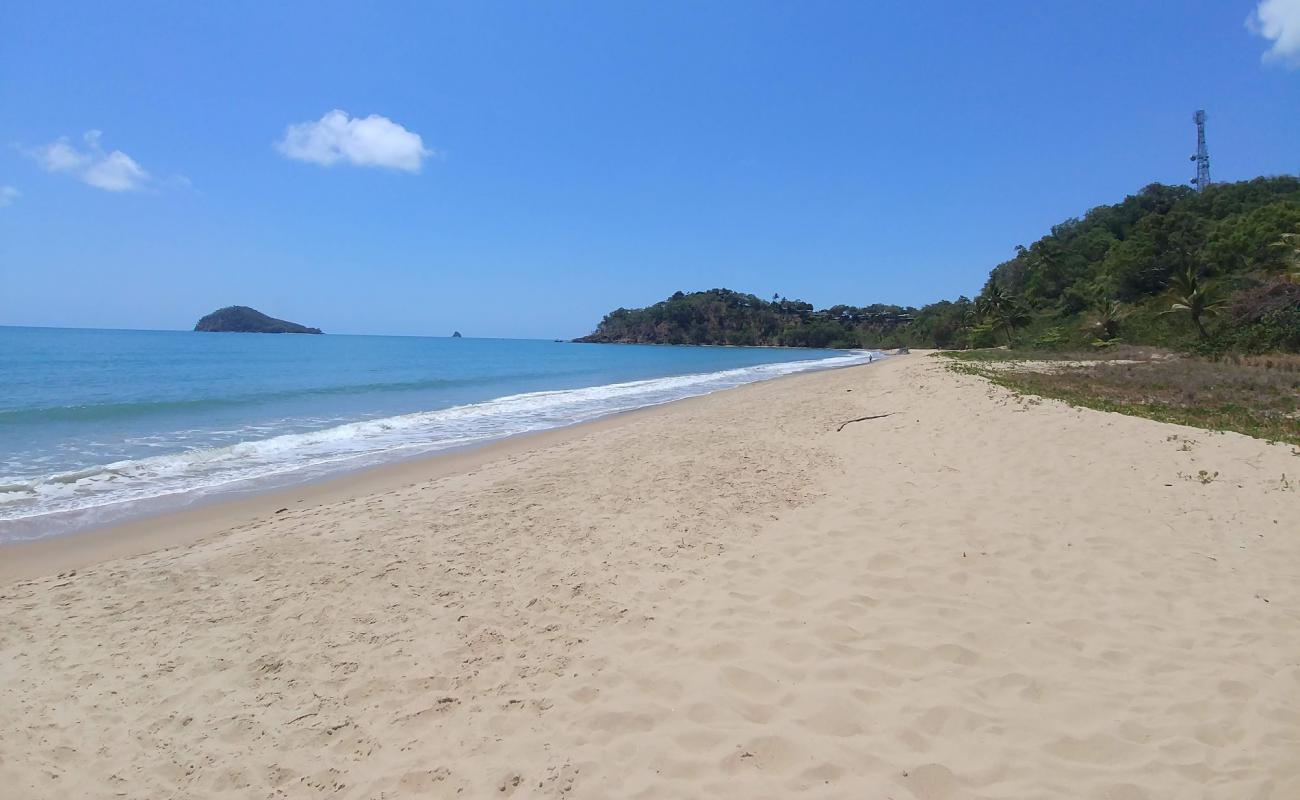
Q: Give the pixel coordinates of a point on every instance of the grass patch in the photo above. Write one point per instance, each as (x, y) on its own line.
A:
(1255, 395)
(1002, 355)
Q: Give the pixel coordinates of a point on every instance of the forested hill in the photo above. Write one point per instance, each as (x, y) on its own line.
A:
(1168, 266)
(721, 316)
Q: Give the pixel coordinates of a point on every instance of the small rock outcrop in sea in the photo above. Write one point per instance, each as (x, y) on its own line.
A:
(242, 319)
(455, 334)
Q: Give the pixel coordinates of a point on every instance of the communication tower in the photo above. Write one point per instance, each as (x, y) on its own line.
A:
(1202, 157)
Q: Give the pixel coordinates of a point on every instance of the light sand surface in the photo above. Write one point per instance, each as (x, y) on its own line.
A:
(977, 596)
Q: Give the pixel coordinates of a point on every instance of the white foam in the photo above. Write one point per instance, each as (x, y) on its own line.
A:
(38, 506)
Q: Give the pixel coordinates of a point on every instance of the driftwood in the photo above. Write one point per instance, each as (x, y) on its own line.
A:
(861, 419)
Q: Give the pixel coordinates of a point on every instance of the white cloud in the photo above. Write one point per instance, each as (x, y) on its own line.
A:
(60, 156)
(8, 195)
(374, 141)
(113, 172)
(1279, 21)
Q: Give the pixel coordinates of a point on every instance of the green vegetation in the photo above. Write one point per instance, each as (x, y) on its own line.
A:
(1196, 297)
(1208, 272)
(999, 311)
(721, 316)
(1213, 272)
(1255, 395)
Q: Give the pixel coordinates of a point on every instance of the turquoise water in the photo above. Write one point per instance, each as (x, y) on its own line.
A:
(98, 426)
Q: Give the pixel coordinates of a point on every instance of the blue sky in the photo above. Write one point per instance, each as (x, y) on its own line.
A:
(533, 165)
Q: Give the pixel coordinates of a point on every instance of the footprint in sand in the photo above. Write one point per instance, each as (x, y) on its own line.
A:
(933, 782)
(749, 683)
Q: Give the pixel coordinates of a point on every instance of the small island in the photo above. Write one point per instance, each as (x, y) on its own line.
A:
(242, 319)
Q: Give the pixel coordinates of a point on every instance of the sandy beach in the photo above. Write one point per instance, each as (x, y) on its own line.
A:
(975, 595)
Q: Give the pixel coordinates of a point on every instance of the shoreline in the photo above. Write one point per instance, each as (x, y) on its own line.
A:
(211, 516)
(187, 493)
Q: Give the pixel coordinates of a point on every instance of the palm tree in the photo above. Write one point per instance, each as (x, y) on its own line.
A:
(1013, 316)
(1195, 297)
(991, 302)
(1002, 311)
(1106, 319)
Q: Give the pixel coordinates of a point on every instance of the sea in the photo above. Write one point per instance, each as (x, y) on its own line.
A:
(103, 426)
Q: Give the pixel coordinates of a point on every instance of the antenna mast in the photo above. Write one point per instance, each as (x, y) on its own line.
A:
(1202, 157)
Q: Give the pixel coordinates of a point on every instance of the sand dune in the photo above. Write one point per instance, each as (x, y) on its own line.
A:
(978, 596)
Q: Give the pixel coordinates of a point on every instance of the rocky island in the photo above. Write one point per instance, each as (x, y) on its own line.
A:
(242, 319)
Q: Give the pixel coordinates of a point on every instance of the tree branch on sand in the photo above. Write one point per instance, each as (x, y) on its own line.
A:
(861, 419)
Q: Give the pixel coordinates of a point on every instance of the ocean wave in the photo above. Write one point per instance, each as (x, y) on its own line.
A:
(109, 411)
(299, 456)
